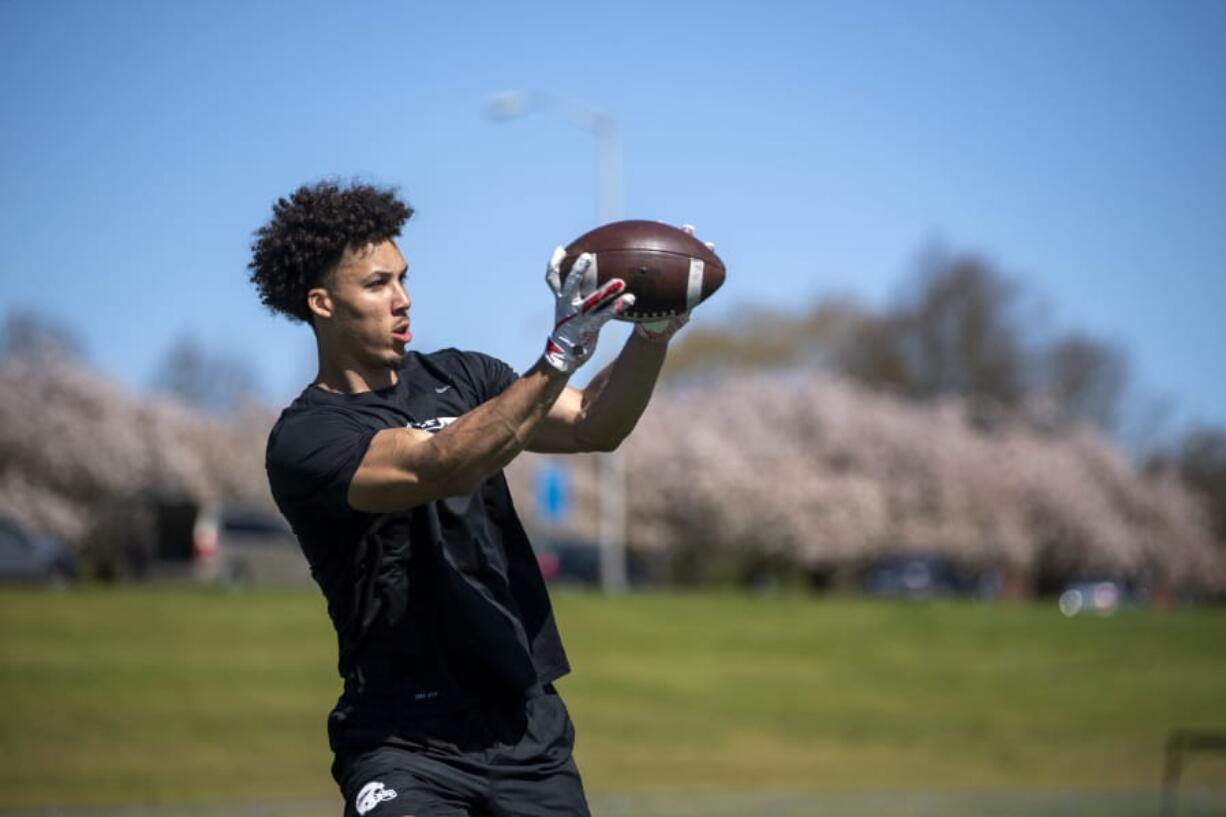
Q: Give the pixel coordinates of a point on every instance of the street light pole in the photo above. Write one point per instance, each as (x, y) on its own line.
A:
(611, 520)
(508, 105)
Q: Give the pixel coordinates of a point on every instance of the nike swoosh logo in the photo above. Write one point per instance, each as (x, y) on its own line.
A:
(441, 389)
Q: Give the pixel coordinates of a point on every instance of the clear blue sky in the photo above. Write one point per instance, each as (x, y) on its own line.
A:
(1081, 145)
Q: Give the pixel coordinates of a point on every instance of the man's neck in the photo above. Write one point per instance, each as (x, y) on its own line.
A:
(345, 377)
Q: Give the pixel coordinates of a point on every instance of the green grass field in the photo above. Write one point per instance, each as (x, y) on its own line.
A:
(147, 695)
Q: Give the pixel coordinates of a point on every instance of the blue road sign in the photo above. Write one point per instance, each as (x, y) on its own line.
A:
(553, 492)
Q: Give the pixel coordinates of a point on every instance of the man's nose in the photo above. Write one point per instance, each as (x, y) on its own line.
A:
(402, 299)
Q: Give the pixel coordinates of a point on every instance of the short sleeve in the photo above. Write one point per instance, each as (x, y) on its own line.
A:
(312, 458)
(495, 376)
(486, 376)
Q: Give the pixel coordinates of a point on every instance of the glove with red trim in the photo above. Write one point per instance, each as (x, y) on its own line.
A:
(578, 319)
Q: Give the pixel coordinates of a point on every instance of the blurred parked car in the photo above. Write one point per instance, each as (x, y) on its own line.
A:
(31, 558)
(569, 561)
(914, 577)
(237, 545)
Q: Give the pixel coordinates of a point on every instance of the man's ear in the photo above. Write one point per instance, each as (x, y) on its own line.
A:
(320, 303)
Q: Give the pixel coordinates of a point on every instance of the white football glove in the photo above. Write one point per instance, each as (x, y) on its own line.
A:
(578, 319)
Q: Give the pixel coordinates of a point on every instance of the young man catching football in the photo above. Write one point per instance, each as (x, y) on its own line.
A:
(389, 468)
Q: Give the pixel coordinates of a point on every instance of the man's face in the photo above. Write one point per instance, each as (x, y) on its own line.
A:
(363, 309)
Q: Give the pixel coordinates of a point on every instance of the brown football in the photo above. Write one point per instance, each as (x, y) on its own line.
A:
(668, 270)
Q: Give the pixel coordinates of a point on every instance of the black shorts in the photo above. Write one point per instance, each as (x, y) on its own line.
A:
(495, 761)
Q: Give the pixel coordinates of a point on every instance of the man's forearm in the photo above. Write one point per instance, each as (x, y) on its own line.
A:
(487, 438)
(405, 467)
(617, 396)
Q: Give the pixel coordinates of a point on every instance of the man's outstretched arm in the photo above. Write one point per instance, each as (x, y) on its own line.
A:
(405, 467)
(601, 416)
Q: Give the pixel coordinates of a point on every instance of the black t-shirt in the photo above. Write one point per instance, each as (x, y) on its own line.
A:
(438, 607)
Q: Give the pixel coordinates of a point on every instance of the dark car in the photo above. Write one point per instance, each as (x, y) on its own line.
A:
(239, 545)
(913, 577)
(570, 561)
(27, 557)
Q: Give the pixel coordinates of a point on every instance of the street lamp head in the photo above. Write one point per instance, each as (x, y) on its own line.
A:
(507, 105)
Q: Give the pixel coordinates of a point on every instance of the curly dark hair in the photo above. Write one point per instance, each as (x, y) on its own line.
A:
(308, 233)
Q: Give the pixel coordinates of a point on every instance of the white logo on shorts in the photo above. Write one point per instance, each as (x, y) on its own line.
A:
(371, 795)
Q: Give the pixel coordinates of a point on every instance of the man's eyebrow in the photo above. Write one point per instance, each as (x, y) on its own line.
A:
(376, 273)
